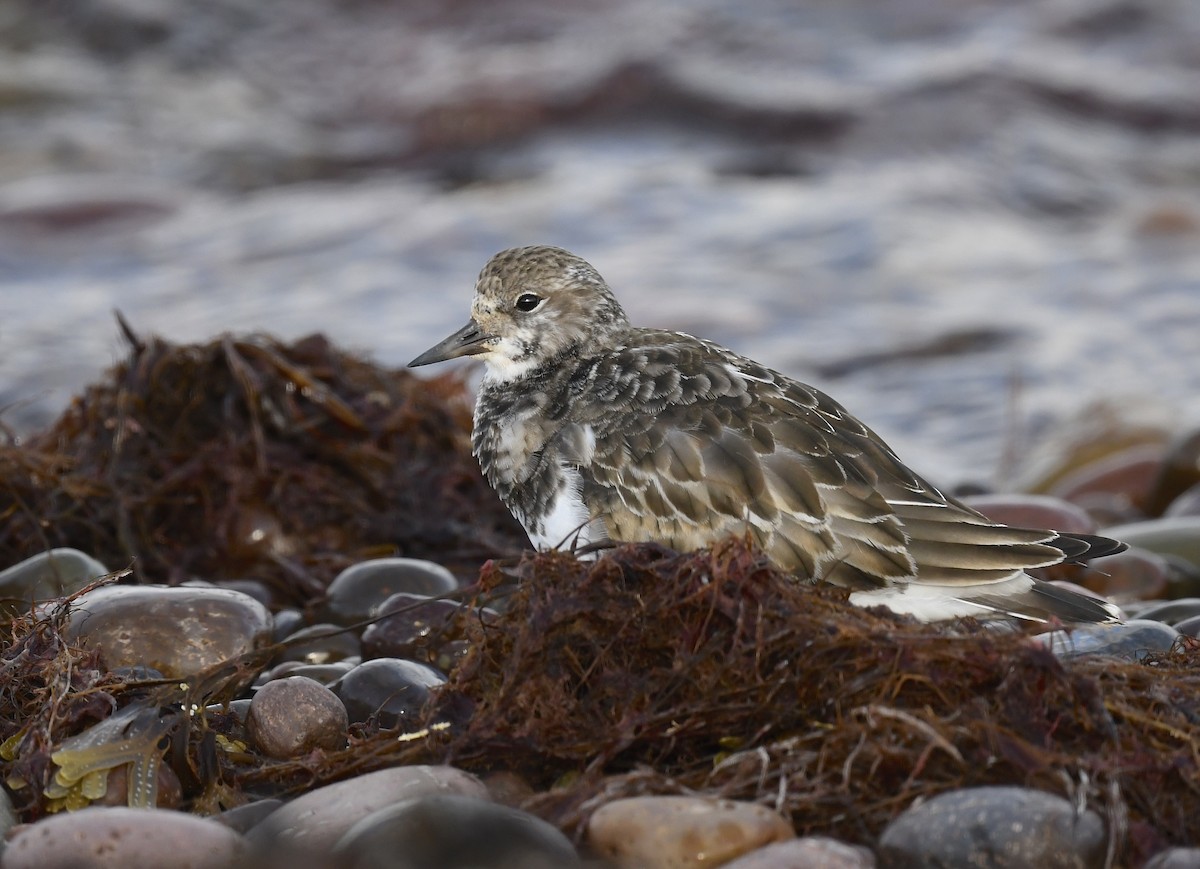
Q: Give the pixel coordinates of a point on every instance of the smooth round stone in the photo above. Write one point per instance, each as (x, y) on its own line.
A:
(1132, 575)
(413, 626)
(1171, 611)
(315, 821)
(260, 591)
(124, 838)
(326, 674)
(287, 622)
(359, 589)
(1134, 639)
(1114, 486)
(668, 832)
(177, 631)
(1189, 627)
(391, 690)
(1187, 504)
(48, 575)
(453, 832)
(998, 827)
(293, 716)
(1033, 511)
(1174, 858)
(1180, 472)
(1174, 535)
(8, 816)
(811, 852)
(321, 644)
(242, 819)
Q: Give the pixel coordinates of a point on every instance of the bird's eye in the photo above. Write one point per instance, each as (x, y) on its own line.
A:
(528, 301)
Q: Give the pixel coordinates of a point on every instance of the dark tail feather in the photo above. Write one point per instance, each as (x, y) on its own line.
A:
(1079, 548)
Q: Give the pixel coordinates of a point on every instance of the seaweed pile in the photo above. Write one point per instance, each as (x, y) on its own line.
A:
(250, 458)
(715, 673)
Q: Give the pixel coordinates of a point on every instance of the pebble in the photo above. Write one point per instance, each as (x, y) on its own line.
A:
(454, 832)
(287, 622)
(1187, 504)
(390, 690)
(810, 852)
(1171, 612)
(1132, 575)
(1189, 627)
(1174, 858)
(124, 838)
(1114, 486)
(8, 816)
(1134, 639)
(413, 626)
(679, 832)
(177, 631)
(315, 821)
(168, 791)
(45, 576)
(293, 716)
(326, 674)
(243, 818)
(357, 591)
(321, 644)
(1174, 535)
(1180, 472)
(1033, 511)
(998, 827)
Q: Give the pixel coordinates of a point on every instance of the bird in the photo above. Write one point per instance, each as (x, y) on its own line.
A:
(594, 431)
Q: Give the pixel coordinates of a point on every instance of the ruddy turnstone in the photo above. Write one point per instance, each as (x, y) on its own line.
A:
(592, 429)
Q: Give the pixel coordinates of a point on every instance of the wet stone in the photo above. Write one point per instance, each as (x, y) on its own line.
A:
(1171, 612)
(124, 838)
(391, 691)
(287, 622)
(45, 576)
(1180, 472)
(168, 791)
(1187, 504)
(357, 591)
(1189, 627)
(454, 832)
(1115, 486)
(417, 630)
(1174, 858)
(293, 716)
(1034, 511)
(998, 827)
(1175, 535)
(1132, 575)
(810, 852)
(1134, 639)
(242, 818)
(321, 644)
(177, 631)
(326, 674)
(315, 821)
(669, 832)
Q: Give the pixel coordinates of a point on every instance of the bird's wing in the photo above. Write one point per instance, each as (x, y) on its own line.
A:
(691, 442)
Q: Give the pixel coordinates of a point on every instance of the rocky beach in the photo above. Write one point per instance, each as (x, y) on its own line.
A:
(261, 609)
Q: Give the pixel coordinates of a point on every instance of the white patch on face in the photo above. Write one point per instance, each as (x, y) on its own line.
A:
(502, 364)
(931, 603)
(568, 523)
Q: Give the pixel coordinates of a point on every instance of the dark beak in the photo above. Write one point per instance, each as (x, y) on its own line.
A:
(467, 341)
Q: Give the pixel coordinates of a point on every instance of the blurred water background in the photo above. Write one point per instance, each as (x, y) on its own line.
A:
(968, 220)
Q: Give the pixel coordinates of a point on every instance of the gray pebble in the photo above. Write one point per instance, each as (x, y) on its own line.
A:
(996, 827)
(454, 832)
(293, 716)
(359, 589)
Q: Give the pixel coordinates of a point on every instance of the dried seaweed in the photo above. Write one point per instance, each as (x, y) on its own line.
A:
(714, 673)
(248, 458)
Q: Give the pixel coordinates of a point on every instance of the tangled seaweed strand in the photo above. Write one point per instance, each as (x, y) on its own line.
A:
(714, 673)
(248, 458)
